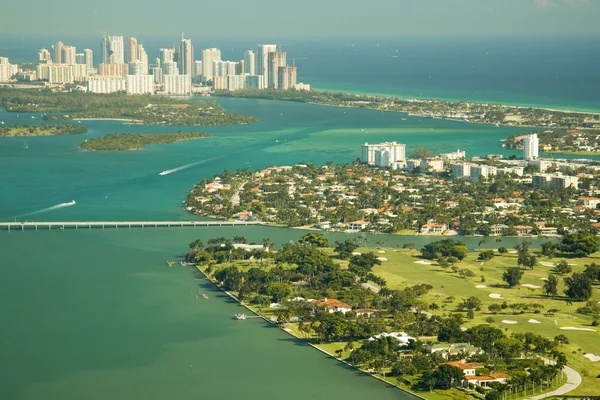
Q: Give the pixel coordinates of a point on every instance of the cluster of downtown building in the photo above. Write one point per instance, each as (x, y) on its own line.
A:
(393, 155)
(125, 68)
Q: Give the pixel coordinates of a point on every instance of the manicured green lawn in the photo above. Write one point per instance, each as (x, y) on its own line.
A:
(403, 269)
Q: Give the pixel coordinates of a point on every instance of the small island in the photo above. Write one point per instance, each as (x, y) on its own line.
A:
(135, 141)
(140, 109)
(462, 111)
(42, 130)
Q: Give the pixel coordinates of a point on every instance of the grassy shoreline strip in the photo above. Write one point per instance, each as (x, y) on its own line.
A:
(289, 332)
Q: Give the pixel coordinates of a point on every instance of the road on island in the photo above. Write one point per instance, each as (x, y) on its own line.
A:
(573, 380)
(235, 199)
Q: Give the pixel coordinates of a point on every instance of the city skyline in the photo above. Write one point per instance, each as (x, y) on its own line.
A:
(382, 17)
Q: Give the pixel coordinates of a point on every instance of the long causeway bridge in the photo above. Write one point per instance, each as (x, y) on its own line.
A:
(118, 224)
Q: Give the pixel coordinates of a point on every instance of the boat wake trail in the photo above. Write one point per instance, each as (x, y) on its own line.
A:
(43, 210)
(186, 166)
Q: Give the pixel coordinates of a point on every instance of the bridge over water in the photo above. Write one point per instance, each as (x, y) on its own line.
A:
(118, 224)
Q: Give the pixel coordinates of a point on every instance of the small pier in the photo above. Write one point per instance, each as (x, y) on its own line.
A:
(9, 226)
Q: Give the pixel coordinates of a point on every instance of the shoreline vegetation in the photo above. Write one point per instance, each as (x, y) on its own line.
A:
(136, 141)
(137, 109)
(344, 301)
(41, 130)
(463, 111)
(295, 335)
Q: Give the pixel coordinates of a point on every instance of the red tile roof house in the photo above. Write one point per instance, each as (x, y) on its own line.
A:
(332, 305)
(471, 377)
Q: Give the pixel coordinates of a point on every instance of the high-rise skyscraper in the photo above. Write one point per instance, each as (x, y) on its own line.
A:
(89, 58)
(276, 60)
(69, 55)
(186, 57)
(531, 147)
(262, 59)
(250, 62)
(112, 50)
(44, 56)
(132, 50)
(209, 56)
(287, 78)
(142, 57)
(57, 52)
(80, 58)
(166, 55)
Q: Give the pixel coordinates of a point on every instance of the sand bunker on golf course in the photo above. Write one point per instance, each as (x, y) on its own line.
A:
(529, 285)
(509, 321)
(356, 253)
(572, 328)
(495, 296)
(382, 258)
(592, 357)
(534, 321)
(423, 262)
(481, 287)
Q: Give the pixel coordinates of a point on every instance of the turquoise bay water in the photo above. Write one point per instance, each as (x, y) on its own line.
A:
(98, 314)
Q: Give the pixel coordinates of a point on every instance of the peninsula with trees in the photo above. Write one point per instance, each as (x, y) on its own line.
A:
(439, 321)
(357, 198)
(140, 109)
(565, 141)
(432, 108)
(136, 141)
(42, 130)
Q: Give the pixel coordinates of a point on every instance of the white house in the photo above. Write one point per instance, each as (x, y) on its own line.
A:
(402, 337)
(332, 305)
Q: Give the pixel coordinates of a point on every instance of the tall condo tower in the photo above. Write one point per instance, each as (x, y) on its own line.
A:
(209, 57)
(132, 50)
(89, 58)
(276, 59)
(57, 52)
(262, 59)
(112, 50)
(249, 62)
(531, 146)
(186, 57)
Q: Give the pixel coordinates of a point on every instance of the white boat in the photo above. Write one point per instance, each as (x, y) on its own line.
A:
(25, 145)
(72, 203)
(240, 316)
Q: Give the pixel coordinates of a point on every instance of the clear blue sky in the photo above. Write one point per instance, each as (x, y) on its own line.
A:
(303, 17)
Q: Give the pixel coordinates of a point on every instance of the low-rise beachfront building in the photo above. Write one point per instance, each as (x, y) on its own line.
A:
(433, 229)
(469, 369)
(402, 337)
(452, 349)
(250, 247)
(589, 202)
(357, 226)
(485, 380)
(332, 305)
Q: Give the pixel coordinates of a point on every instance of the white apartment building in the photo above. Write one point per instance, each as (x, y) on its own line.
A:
(209, 56)
(457, 155)
(6, 70)
(531, 146)
(44, 56)
(302, 86)
(219, 82)
(107, 84)
(262, 59)
(479, 172)
(224, 68)
(140, 84)
(462, 170)
(198, 70)
(157, 74)
(555, 181)
(60, 73)
(89, 58)
(255, 82)
(80, 72)
(432, 165)
(249, 62)
(397, 152)
(177, 84)
(113, 51)
(236, 82)
(170, 68)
